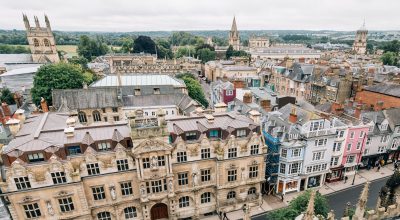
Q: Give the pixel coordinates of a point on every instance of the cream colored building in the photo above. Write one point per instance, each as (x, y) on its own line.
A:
(360, 42)
(149, 168)
(256, 43)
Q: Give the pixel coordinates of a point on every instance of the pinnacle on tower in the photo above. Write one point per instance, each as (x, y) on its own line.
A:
(234, 27)
(309, 215)
(26, 21)
(46, 19)
(362, 202)
(37, 22)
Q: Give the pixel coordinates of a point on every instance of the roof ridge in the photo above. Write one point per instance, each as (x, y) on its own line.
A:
(41, 125)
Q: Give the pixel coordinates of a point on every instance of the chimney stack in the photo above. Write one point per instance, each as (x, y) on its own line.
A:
(379, 106)
(266, 105)
(293, 115)
(255, 116)
(6, 109)
(220, 107)
(350, 103)
(14, 126)
(210, 118)
(247, 98)
(19, 114)
(337, 108)
(43, 104)
(357, 111)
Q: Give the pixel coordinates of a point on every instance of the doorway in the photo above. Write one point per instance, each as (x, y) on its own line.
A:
(159, 211)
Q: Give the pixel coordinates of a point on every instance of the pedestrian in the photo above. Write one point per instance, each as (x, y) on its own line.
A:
(282, 197)
(395, 165)
(225, 217)
(379, 167)
(220, 214)
(376, 163)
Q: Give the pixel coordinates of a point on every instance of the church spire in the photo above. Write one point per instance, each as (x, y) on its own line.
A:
(234, 27)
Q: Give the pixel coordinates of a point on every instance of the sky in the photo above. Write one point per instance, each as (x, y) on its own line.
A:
(172, 15)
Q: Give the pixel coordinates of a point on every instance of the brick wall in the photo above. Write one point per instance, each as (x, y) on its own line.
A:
(372, 98)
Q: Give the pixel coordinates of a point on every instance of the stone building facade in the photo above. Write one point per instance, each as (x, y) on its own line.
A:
(41, 41)
(234, 39)
(360, 42)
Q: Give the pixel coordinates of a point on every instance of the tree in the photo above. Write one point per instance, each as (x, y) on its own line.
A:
(127, 45)
(206, 55)
(55, 76)
(229, 52)
(164, 49)
(90, 48)
(7, 96)
(82, 61)
(299, 205)
(184, 51)
(144, 44)
(194, 88)
(390, 58)
(392, 46)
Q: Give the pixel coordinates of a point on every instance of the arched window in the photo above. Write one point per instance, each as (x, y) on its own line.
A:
(184, 202)
(96, 116)
(46, 42)
(130, 212)
(252, 191)
(104, 216)
(206, 197)
(82, 117)
(231, 195)
(35, 42)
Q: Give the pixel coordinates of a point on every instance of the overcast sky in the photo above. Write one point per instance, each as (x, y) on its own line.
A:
(155, 15)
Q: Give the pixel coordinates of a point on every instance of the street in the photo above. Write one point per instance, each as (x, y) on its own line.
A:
(337, 201)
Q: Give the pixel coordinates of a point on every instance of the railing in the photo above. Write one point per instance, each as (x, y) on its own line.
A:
(317, 133)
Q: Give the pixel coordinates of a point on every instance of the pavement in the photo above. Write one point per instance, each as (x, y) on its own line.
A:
(271, 202)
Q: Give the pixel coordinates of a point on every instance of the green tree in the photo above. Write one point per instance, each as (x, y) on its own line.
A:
(206, 55)
(164, 49)
(7, 96)
(127, 45)
(392, 46)
(390, 58)
(144, 44)
(55, 76)
(81, 61)
(7, 49)
(229, 52)
(194, 88)
(90, 48)
(184, 51)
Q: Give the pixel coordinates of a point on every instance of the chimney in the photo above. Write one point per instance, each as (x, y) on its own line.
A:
(19, 114)
(266, 105)
(370, 81)
(71, 122)
(14, 126)
(357, 111)
(43, 105)
(210, 118)
(161, 117)
(350, 103)
(247, 98)
(220, 107)
(379, 106)
(255, 116)
(337, 108)
(293, 115)
(6, 109)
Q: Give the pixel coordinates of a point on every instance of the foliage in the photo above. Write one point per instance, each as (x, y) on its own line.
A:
(390, 58)
(182, 38)
(81, 61)
(144, 44)
(185, 51)
(194, 88)
(299, 205)
(8, 49)
(220, 41)
(203, 46)
(205, 55)
(182, 75)
(55, 76)
(388, 192)
(7, 96)
(127, 45)
(164, 49)
(295, 38)
(230, 52)
(392, 46)
(90, 48)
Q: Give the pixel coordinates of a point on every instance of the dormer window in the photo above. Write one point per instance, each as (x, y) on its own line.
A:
(241, 133)
(74, 150)
(384, 127)
(137, 91)
(229, 92)
(103, 146)
(156, 91)
(192, 135)
(214, 134)
(37, 157)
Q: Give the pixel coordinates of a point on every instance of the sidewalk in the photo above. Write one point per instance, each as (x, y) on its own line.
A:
(274, 202)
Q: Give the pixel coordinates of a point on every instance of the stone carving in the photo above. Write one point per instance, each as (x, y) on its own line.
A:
(50, 209)
(193, 149)
(142, 191)
(219, 149)
(120, 151)
(194, 179)
(18, 169)
(243, 174)
(90, 155)
(153, 162)
(112, 192)
(170, 186)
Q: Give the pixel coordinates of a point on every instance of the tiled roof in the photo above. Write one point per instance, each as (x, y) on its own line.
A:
(137, 80)
(385, 88)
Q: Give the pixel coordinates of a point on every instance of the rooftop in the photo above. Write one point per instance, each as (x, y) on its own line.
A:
(385, 88)
(137, 80)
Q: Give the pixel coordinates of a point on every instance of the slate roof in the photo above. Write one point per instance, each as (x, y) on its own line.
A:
(385, 88)
(377, 117)
(393, 117)
(303, 115)
(300, 72)
(137, 80)
(15, 58)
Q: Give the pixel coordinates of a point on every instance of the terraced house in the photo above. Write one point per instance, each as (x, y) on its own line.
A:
(146, 168)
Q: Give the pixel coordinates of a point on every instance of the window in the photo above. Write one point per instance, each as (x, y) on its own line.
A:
(58, 177)
(183, 179)
(232, 152)
(231, 195)
(349, 147)
(381, 149)
(104, 216)
(205, 153)
(361, 134)
(241, 133)
(320, 142)
(98, 193)
(334, 161)
(104, 146)
(214, 134)
(146, 163)
(254, 149)
(93, 169)
(137, 91)
(384, 138)
(181, 156)
(74, 150)
(82, 117)
(35, 42)
(232, 174)
(284, 153)
(157, 186)
(130, 212)
(282, 168)
(184, 202)
(339, 134)
(337, 146)
(352, 135)
(350, 159)
(309, 168)
(32, 210)
(161, 161)
(368, 142)
(296, 152)
(116, 118)
(205, 197)
(156, 91)
(253, 171)
(153, 113)
(103, 110)
(46, 43)
(126, 188)
(191, 135)
(22, 183)
(105, 119)
(294, 168)
(205, 175)
(122, 165)
(358, 145)
(324, 166)
(96, 116)
(384, 127)
(37, 157)
(66, 204)
(318, 155)
(229, 92)
(316, 125)
(366, 151)
(252, 191)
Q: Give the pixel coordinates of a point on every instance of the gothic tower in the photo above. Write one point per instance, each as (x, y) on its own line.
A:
(41, 41)
(360, 43)
(234, 39)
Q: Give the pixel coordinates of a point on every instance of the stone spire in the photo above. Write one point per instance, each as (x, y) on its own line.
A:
(309, 215)
(234, 39)
(26, 21)
(234, 27)
(46, 19)
(362, 202)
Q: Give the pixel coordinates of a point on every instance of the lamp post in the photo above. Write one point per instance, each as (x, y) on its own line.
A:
(246, 210)
(355, 173)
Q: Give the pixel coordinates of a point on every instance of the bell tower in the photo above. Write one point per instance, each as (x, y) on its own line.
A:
(41, 41)
(234, 39)
(360, 42)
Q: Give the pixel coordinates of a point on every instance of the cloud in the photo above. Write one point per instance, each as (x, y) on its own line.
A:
(153, 15)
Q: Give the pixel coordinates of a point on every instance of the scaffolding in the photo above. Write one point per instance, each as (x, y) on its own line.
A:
(272, 161)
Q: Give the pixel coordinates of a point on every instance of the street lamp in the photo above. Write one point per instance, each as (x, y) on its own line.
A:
(355, 173)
